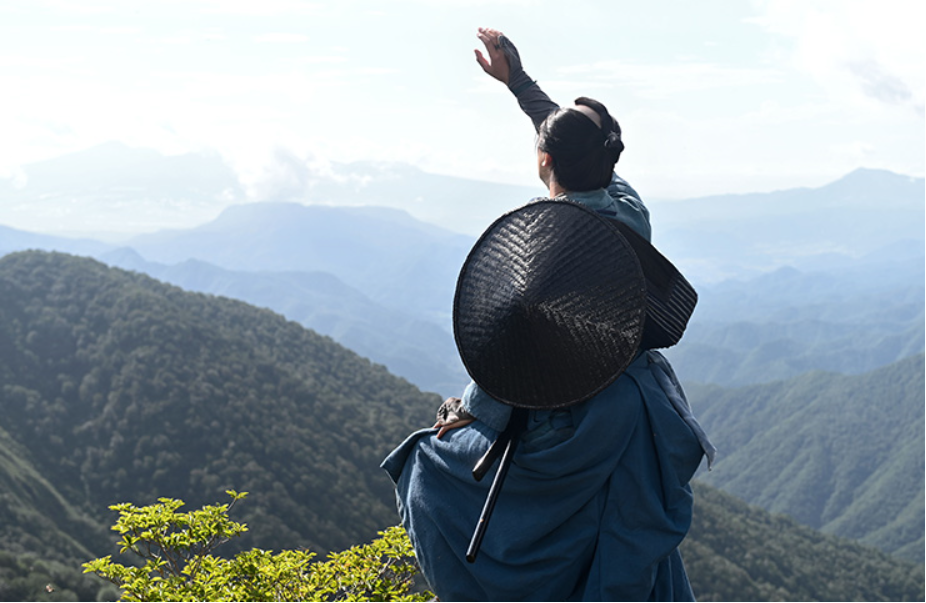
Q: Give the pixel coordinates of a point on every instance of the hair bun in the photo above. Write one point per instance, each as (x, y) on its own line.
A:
(612, 140)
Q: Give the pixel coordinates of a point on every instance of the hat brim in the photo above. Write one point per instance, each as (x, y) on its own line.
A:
(550, 306)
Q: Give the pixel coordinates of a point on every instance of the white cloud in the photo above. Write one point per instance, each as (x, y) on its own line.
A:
(866, 50)
(255, 8)
(321, 59)
(703, 108)
(38, 63)
(281, 38)
(663, 80)
(94, 8)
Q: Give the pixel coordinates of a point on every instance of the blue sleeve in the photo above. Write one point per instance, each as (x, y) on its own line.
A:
(485, 408)
(629, 206)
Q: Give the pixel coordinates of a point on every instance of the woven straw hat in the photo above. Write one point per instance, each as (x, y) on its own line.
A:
(550, 306)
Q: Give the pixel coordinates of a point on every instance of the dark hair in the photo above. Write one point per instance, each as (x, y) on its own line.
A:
(583, 154)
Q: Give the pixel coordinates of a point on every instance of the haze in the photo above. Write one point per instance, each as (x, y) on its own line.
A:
(714, 97)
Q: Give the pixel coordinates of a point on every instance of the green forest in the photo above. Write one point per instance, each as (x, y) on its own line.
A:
(840, 453)
(119, 388)
(138, 390)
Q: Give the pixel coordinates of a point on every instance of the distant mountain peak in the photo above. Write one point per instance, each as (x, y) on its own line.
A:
(868, 173)
(870, 181)
(278, 214)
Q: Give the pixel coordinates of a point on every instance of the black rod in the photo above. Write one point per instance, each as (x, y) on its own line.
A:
(509, 438)
(492, 497)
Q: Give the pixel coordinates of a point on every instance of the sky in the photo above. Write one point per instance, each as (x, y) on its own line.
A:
(716, 96)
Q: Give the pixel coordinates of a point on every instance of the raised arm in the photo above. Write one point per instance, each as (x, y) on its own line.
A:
(504, 64)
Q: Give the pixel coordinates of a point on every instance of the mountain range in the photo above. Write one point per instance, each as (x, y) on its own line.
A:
(805, 293)
(768, 327)
(866, 216)
(790, 282)
(839, 453)
(787, 322)
(113, 188)
(117, 387)
(134, 190)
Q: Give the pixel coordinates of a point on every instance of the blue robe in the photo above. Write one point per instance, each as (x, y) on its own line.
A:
(596, 500)
(594, 507)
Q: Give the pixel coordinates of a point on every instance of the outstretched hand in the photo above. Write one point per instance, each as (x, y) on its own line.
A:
(496, 64)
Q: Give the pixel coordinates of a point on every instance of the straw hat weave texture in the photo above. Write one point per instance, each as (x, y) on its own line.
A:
(550, 306)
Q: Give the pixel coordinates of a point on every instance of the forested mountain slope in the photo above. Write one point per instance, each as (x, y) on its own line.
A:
(392, 258)
(136, 389)
(408, 345)
(35, 517)
(739, 552)
(840, 453)
(115, 387)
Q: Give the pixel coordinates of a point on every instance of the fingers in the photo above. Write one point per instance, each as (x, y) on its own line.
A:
(483, 62)
(488, 33)
(444, 428)
(491, 39)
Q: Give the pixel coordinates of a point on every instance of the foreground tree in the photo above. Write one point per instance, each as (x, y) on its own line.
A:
(176, 549)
